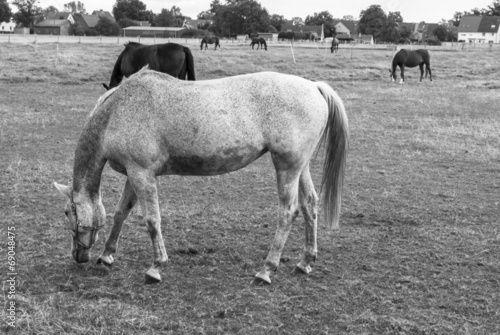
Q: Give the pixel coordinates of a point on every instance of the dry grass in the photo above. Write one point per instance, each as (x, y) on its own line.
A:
(417, 253)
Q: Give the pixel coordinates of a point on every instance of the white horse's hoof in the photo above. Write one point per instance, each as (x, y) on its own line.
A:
(152, 277)
(261, 279)
(299, 269)
(106, 260)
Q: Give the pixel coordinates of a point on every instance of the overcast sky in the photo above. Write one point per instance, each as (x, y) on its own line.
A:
(430, 11)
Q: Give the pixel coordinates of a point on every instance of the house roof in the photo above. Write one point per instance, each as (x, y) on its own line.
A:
(103, 13)
(489, 24)
(58, 16)
(469, 24)
(90, 20)
(51, 23)
(350, 25)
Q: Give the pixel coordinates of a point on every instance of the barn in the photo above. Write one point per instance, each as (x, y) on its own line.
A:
(54, 27)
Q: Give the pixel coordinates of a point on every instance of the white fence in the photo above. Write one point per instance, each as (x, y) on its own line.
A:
(28, 39)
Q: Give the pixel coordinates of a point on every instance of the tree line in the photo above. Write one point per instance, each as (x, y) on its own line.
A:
(237, 17)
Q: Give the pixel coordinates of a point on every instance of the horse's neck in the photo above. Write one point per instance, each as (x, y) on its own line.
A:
(89, 160)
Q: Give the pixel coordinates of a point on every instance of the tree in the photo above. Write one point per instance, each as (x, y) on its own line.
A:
(75, 7)
(493, 9)
(441, 33)
(239, 17)
(107, 27)
(297, 21)
(133, 10)
(5, 12)
(28, 13)
(372, 21)
(51, 10)
(395, 17)
(205, 15)
(277, 21)
(169, 18)
(348, 18)
(321, 18)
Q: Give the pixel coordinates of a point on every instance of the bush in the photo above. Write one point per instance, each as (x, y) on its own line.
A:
(107, 27)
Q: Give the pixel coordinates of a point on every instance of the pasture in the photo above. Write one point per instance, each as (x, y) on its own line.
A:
(417, 252)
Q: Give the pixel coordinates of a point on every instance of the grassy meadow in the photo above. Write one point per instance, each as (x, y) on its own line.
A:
(418, 250)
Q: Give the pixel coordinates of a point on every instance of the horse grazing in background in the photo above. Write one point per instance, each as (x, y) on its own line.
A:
(335, 45)
(261, 42)
(171, 58)
(411, 58)
(209, 40)
(154, 124)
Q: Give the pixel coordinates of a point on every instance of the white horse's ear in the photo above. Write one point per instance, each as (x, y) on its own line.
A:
(63, 189)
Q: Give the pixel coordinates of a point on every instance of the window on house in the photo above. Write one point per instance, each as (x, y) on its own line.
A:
(484, 34)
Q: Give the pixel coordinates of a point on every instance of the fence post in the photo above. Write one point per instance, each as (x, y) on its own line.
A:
(293, 55)
(57, 56)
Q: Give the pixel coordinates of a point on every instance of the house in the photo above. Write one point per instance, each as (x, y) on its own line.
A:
(136, 31)
(7, 27)
(197, 24)
(479, 29)
(54, 27)
(302, 28)
(346, 27)
(347, 31)
(86, 21)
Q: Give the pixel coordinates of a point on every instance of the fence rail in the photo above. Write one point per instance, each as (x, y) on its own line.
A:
(43, 39)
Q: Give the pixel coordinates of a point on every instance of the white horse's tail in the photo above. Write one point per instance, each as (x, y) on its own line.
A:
(336, 136)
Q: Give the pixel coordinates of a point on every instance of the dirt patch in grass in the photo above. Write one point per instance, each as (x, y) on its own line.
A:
(417, 253)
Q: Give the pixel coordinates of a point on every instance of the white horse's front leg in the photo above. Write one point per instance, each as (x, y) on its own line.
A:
(123, 209)
(144, 184)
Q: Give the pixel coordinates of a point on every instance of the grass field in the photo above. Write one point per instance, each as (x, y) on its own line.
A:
(418, 250)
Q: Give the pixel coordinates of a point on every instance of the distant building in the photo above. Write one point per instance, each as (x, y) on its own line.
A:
(136, 31)
(54, 27)
(301, 28)
(347, 31)
(86, 21)
(7, 27)
(479, 29)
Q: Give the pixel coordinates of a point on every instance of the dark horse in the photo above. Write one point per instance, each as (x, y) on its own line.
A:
(410, 58)
(210, 40)
(171, 58)
(335, 45)
(260, 43)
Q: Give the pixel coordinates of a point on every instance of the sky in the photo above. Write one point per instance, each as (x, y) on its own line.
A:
(430, 11)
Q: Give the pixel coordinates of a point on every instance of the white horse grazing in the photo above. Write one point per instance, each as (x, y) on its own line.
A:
(154, 124)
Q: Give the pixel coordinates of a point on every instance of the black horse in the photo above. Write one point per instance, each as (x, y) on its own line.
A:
(260, 43)
(335, 45)
(410, 58)
(210, 40)
(171, 58)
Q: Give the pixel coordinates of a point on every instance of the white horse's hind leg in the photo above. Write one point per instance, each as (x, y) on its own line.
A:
(309, 201)
(144, 184)
(288, 210)
(125, 205)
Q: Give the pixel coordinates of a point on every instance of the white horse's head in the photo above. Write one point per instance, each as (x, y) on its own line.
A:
(84, 218)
